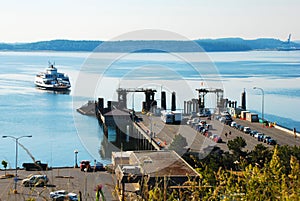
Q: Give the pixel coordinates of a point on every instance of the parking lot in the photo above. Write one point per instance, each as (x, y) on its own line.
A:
(69, 179)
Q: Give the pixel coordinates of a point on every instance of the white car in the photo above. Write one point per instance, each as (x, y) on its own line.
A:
(233, 124)
(62, 195)
(247, 130)
(258, 134)
(35, 180)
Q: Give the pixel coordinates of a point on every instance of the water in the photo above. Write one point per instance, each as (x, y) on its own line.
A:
(58, 130)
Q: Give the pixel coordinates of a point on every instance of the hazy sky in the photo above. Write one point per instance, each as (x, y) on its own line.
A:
(35, 20)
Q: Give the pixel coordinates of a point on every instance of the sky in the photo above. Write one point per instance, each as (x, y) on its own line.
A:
(40, 20)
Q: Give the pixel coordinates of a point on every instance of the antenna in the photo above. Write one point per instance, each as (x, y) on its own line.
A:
(289, 39)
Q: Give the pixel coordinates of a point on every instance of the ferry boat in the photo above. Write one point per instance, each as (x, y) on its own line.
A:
(52, 80)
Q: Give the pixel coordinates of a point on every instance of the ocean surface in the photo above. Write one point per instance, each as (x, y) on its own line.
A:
(58, 130)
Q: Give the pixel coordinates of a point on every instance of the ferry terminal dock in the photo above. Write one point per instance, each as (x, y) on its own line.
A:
(154, 134)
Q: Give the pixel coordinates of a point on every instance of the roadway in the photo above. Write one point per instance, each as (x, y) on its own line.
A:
(199, 143)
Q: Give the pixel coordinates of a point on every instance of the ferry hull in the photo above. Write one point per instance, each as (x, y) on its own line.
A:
(53, 88)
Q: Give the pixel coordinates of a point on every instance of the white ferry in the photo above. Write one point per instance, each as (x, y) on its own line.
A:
(52, 80)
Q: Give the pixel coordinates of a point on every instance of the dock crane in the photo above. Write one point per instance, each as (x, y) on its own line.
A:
(203, 91)
(149, 97)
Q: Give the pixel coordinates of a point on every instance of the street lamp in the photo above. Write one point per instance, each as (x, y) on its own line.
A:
(16, 139)
(76, 152)
(262, 101)
(151, 127)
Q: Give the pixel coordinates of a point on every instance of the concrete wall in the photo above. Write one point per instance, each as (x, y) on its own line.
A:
(286, 130)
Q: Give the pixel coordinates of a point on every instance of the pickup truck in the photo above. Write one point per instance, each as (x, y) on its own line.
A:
(37, 165)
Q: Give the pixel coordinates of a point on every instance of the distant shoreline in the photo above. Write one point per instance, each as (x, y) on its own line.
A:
(155, 46)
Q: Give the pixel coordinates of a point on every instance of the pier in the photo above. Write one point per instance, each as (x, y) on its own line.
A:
(146, 130)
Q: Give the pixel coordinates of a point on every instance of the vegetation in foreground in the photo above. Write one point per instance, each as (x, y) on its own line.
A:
(261, 174)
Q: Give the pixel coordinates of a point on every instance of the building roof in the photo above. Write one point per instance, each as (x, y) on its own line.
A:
(161, 163)
(116, 112)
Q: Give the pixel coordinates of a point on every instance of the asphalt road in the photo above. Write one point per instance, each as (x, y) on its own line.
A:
(199, 143)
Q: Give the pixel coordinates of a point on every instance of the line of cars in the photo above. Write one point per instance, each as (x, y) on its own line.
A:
(201, 126)
(259, 136)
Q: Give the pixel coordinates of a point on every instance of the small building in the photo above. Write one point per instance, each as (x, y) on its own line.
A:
(252, 117)
(243, 114)
(117, 117)
(152, 167)
(235, 112)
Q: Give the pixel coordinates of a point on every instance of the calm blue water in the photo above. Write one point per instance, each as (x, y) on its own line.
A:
(58, 130)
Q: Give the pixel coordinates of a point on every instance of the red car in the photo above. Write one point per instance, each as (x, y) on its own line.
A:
(85, 165)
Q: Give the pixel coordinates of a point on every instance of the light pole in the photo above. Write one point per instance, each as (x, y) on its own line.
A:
(76, 152)
(151, 127)
(16, 139)
(262, 101)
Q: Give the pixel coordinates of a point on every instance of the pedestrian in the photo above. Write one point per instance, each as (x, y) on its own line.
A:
(295, 132)
(229, 132)
(226, 135)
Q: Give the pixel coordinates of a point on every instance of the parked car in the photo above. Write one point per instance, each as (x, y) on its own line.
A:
(228, 120)
(208, 126)
(247, 130)
(37, 165)
(271, 142)
(213, 136)
(253, 132)
(257, 135)
(208, 134)
(260, 138)
(217, 139)
(241, 128)
(62, 195)
(99, 166)
(85, 166)
(57, 193)
(237, 126)
(266, 139)
(35, 180)
(233, 124)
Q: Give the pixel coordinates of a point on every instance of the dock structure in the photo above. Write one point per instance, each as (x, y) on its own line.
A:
(219, 98)
(130, 133)
(149, 97)
(127, 129)
(88, 108)
(148, 131)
